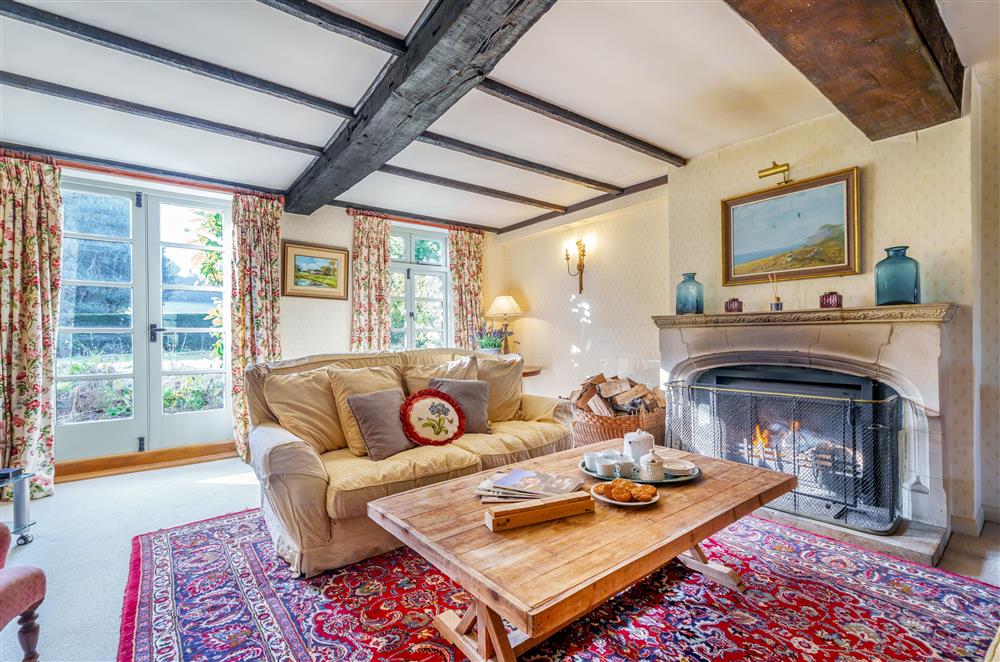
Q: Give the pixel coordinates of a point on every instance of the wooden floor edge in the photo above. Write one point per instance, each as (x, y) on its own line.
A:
(112, 465)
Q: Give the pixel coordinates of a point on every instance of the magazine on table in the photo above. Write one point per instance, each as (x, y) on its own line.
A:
(521, 484)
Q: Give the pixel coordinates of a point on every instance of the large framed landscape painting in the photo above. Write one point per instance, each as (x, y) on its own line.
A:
(803, 229)
(311, 270)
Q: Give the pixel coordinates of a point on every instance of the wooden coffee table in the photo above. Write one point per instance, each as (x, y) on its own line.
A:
(542, 577)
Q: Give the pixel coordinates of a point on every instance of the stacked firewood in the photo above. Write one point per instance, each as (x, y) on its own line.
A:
(616, 396)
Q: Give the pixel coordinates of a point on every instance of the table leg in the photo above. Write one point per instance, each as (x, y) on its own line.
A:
(695, 559)
(489, 642)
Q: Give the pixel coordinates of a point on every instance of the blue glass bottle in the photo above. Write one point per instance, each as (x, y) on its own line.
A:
(690, 296)
(897, 278)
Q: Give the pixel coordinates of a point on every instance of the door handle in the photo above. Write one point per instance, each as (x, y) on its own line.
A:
(153, 330)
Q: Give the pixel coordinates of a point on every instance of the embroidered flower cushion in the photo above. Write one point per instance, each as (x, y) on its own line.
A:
(432, 418)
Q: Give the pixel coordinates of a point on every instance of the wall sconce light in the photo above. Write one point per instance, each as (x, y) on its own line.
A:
(581, 252)
(776, 169)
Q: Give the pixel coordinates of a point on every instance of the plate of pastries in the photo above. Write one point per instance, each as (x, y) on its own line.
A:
(622, 492)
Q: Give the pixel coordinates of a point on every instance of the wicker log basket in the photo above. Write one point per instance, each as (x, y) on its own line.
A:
(589, 428)
(606, 409)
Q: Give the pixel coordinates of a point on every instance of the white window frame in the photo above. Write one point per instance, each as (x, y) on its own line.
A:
(409, 267)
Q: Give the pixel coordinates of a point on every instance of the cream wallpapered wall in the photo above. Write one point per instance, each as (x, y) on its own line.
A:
(607, 328)
(988, 93)
(323, 326)
(316, 326)
(915, 190)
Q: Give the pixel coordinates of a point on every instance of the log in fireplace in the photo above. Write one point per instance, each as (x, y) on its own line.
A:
(837, 433)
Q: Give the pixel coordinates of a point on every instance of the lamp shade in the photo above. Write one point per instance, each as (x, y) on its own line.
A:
(504, 305)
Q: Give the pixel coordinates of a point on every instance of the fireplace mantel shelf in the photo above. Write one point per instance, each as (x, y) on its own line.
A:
(938, 313)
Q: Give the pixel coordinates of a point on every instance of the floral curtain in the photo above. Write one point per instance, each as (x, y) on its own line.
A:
(256, 296)
(371, 268)
(465, 250)
(30, 254)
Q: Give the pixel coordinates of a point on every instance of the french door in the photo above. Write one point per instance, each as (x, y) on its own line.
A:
(141, 344)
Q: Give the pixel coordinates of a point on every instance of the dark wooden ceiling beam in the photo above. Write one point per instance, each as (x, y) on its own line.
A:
(125, 168)
(889, 66)
(469, 188)
(342, 25)
(118, 42)
(458, 44)
(347, 27)
(550, 110)
(469, 149)
(586, 204)
(140, 110)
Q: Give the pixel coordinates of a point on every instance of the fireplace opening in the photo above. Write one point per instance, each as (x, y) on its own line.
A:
(837, 433)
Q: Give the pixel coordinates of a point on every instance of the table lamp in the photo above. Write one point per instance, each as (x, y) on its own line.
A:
(504, 306)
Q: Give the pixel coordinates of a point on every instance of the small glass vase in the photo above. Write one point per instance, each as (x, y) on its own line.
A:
(897, 278)
(690, 296)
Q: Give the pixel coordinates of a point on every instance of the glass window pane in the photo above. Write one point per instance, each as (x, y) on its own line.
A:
(189, 225)
(428, 251)
(397, 314)
(93, 213)
(429, 287)
(189, 266)
(397, 247)
(397, 284)
(94, 306)
(86, 259)
(192, 393)
(193, 310)
(428, 314)
(93, 353)
(398, 340)
(192, 351)
(429, 339)
(93, 400)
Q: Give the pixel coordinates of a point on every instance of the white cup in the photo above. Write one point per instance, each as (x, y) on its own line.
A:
(625, 468)
(611, 455)
(606, 468)
(590, 461)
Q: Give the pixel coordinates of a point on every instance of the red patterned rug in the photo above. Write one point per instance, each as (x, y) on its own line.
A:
(214, 590)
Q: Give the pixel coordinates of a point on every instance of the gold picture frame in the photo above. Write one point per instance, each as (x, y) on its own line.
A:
(314, 270)
(808, 228)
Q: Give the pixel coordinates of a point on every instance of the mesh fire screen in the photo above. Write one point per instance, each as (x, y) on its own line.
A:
(843, 451)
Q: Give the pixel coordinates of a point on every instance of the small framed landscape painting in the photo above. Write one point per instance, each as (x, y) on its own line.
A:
(310, 270)
(804, 229)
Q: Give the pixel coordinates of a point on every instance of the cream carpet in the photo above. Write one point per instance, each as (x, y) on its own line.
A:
(83, 540)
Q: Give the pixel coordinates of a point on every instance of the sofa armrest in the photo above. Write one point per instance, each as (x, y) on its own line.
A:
(276, 451)
(549, 410)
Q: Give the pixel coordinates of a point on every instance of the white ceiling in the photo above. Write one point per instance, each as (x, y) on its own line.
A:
(974, 26)
(688, 75)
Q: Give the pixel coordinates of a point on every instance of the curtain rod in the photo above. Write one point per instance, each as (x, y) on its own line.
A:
(93, 164)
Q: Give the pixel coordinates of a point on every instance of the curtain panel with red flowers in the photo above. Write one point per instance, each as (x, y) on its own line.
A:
(371, 268)
(30, 253)
(256, 296)
(465, 254)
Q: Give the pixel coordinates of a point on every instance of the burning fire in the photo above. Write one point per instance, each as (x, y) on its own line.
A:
(761, 438)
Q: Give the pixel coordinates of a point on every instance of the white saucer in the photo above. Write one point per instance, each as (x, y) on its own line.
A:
(676, 467)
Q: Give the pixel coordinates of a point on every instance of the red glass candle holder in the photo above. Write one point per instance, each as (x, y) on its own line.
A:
(831, 300)
(734, 305)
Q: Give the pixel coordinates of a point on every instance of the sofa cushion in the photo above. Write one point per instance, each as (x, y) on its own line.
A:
(354, 481)
(504, 378)
(304, 405)
(349, 381)
(418, 377)
(377, 415)
(516, 441)
(473, 397)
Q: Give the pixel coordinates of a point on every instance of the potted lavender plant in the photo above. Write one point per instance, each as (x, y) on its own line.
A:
(490, 340)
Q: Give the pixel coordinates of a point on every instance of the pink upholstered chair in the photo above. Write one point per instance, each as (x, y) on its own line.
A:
(22, 589)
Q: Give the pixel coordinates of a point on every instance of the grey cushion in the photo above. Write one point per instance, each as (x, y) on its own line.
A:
(377, 414)
(473, 397)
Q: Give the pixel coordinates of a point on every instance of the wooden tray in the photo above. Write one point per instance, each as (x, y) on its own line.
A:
(668, 480)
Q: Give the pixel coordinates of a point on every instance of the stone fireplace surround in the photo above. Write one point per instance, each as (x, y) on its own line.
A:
(905, 347)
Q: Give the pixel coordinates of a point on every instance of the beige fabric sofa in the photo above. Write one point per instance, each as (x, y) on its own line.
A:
(315, 504)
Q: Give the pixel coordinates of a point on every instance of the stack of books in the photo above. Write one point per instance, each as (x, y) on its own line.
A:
(512, 485)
